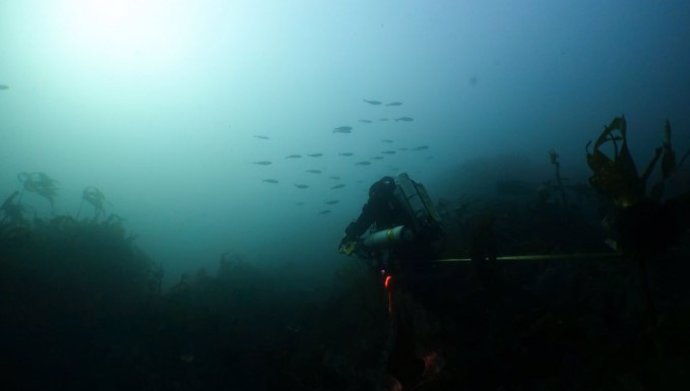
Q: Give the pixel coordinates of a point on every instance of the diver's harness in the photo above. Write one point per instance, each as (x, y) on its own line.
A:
(414, 201)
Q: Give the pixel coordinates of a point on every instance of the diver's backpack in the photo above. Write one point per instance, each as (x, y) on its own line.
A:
(415, 201)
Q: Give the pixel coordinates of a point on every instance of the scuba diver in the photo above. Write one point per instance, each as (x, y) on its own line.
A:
(398, 232)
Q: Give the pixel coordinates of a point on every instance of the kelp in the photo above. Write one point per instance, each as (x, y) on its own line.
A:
(13, 225)
(96, 198)
(643, 224)
(12, 210)
(639, 214)
(41, 184)
(669, 164)
(615, 177)
(553, 158)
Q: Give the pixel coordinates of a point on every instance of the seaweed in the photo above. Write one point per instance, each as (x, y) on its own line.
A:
(616, 177)
(12, 211)
(96, 198)
(644, 221)
(643, 224)
(41, 184)
(14, 228)
(553, 158)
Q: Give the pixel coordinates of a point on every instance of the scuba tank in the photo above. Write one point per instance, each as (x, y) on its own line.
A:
(387, 238)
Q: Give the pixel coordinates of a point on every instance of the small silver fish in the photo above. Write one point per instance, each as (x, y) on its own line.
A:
(314, 171)
(4, 87)
(325, 212)
(372, 102)
(334, 177)
(394, 104)
(315, 154)
(331, 202)
(270, 180)
(387, 141)
(376, 158)
(404, 119)
(343, 129)
(301, 186)
(363, 163)
(388, 152)
(338, 186)
(293, 156)
(262, 137)
(365, 121)
(421, 148)
(263, 162)
(345, 154)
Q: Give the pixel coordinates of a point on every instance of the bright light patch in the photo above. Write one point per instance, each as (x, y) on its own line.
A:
(125, 35)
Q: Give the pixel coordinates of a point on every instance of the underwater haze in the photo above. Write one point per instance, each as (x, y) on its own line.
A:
(186, 114)
(176, 178)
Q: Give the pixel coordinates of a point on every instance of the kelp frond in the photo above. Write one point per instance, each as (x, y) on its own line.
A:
(617, 177)
(39, 183)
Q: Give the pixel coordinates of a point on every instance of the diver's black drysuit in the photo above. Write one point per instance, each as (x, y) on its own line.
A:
(383, 210)
(406, 262)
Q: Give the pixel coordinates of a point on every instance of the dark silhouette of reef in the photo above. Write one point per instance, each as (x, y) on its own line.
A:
(82, 307)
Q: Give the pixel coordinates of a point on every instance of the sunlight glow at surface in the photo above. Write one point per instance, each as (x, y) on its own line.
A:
(123, 36)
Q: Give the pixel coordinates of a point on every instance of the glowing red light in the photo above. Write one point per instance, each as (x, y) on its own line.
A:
(387, 281)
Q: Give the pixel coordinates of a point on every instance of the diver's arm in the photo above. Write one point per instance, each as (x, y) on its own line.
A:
(359, 226)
